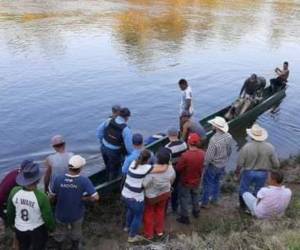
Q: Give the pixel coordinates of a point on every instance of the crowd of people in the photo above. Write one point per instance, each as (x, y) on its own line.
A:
(173, 178)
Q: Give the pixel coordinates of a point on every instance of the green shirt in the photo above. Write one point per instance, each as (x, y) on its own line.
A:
(27, 210)
(258, 155)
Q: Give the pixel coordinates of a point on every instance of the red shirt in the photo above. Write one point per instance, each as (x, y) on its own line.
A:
(7, 184)
(190, 166)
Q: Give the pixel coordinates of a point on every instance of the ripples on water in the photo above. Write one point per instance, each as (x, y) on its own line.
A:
(64, 63)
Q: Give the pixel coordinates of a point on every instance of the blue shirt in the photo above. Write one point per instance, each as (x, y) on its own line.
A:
(129, 159)
(69, 191)
(126, 133)
(134, 156)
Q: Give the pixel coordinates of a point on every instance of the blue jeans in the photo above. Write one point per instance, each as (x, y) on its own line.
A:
(134, 215)
(252, 181)
(113, 162)
(211, 183)
(187, 194)
(174, 194)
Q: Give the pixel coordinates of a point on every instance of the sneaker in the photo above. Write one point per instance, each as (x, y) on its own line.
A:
(161, 236)
(135, 239)
(247, 211)
(196, 214)
(75, 244)
(215, 203)
(183, 220)
(204, 206)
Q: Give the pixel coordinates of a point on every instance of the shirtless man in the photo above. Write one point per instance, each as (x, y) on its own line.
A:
(188, 125)
(282, 77)
(248, 92)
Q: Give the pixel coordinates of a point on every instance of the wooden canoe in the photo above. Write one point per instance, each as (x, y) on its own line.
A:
(269, 100)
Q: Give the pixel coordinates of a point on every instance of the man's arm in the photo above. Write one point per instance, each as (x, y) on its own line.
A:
(173, 175)
(126, 164)
(46, 211)
(188, 103)
(92, 198)
(90, 193)
(260, 195)
(274, 159)
(127, 137)
(278, 71)
(48, 174)
(147, 181)
(180, 166)
(52, 191)
(11, 210)
(240, 163)
(159, 169)
(100, 130)
(243, 88)
(283, 73)
(210, 152)
(229, 148)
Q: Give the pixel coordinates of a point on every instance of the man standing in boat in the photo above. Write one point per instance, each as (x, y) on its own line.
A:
(115, 139)
(282, 77)
(248, 92)
(251, 93)
(186, 99)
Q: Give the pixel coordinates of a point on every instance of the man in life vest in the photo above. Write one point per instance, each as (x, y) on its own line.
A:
(115, 139)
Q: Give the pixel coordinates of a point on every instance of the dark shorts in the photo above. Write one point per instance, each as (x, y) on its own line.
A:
(35, 240)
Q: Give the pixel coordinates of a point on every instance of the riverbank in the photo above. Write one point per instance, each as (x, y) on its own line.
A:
(219, 227)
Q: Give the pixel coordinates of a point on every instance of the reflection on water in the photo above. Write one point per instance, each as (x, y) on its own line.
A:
(65, 62)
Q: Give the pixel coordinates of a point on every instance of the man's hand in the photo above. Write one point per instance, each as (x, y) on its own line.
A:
(92, 198)
(237, 173)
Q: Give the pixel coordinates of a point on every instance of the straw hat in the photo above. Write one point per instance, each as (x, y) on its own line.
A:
(219, 123)
(257, 133)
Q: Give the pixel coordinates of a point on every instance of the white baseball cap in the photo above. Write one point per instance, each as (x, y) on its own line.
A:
(76, 162)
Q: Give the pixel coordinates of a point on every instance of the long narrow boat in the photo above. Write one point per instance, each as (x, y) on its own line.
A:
(268, 101)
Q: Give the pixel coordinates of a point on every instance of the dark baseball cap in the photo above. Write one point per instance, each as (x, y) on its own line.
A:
(137, 139)
(125, 112)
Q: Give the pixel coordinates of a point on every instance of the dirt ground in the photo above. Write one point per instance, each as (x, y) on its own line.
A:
(104, 221)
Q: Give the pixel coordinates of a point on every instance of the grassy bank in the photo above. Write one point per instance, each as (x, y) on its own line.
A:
(221, 227)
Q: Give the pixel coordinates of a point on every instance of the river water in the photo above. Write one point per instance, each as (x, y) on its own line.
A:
(64, 63)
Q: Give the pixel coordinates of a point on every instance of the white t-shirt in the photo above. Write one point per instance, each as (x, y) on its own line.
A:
(274, 201)
(28, 212)
(186, 94)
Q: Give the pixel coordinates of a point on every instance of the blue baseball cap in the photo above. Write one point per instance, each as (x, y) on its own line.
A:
(137, 139)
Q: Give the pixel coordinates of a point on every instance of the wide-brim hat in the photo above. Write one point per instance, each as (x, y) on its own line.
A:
(257, 133)
(219, 123)
(29, 174)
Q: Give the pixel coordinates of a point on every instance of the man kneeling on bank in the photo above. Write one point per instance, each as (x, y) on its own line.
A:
(271, 201)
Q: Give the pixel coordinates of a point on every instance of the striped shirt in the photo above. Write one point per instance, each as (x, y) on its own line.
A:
(177, 148)
(219, 149)
(133, 187)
